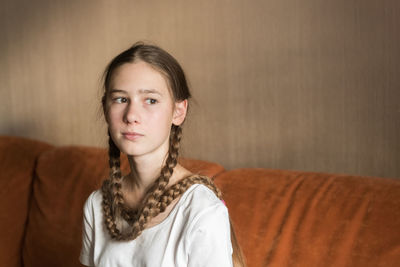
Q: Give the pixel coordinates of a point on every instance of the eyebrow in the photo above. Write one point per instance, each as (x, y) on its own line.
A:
(141, 91)
(116, 91)
(149, 91)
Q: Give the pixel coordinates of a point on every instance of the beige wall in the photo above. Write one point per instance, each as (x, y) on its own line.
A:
(310, 85)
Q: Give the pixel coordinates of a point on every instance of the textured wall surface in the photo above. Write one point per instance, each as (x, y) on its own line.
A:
(308, 85)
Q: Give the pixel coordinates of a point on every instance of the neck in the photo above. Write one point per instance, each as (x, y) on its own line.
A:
(145, 170)
(143, 173)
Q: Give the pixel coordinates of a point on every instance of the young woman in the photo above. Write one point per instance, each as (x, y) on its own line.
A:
(160, 214)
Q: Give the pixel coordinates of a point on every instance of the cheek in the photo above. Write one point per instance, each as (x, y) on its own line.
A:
(162, 120)
(113, 119)
(113, 115)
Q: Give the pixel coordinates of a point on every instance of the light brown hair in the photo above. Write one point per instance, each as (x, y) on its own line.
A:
(158, 197)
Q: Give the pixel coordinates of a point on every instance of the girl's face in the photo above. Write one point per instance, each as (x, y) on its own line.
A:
(140, 110)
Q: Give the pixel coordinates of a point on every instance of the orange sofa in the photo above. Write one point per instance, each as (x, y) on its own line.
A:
(282, 218)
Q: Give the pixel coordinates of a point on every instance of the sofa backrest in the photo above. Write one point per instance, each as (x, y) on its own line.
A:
(289, 218)
(282, 218)
(17, 164)
(65, 178)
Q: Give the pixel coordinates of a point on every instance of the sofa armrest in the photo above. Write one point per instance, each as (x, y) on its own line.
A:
(17, 163)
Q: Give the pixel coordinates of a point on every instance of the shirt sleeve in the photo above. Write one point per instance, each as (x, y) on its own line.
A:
(209, 239)
(86, 256)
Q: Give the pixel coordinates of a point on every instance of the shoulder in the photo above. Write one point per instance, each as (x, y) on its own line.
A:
(199, 197)
(203, 208)
(93, 198)
(208, 230)
(92, 203)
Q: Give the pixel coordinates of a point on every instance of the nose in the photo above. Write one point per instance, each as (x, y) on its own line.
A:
(132, 113)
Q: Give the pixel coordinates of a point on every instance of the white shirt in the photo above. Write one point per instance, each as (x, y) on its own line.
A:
(195, 233)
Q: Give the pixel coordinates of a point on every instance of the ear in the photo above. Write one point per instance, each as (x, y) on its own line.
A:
(180, 112)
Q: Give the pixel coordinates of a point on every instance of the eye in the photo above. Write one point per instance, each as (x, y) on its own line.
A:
(120, 100)
(151, 101)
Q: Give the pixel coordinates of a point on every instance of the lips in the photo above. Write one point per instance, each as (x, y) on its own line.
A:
(132, 135)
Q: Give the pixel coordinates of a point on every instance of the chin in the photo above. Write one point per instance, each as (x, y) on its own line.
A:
(131, 151)
(126, 148)
(136, 149)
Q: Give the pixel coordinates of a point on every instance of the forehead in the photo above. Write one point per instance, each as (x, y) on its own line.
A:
(138, 76)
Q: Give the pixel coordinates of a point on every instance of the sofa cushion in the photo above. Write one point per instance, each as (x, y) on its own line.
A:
(17, 163)
(66, 177)
(289, 218)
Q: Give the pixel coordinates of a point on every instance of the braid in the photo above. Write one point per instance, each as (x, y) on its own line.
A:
(111, 189)
(113, 202)
(150, 206)
(157, 198)
(115, 175)
(180, 187)
(109, 217)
